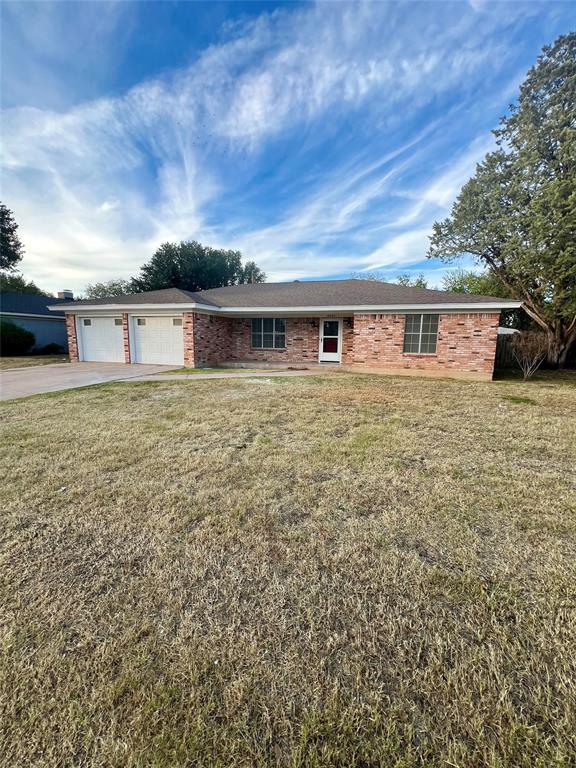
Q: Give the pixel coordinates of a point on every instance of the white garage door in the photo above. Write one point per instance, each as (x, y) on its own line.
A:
(158, 340)
(101, 339)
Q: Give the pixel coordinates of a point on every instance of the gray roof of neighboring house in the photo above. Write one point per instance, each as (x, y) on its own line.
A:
(29, 304)
(319, 293)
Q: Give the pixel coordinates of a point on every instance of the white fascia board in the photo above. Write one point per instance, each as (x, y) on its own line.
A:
(481, 306)
(383, 308)
(28, 314)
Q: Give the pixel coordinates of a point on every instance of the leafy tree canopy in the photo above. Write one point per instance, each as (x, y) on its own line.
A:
(412, 281)
(517, 215)
(14, 282)
(109, 288)
(486, 284)
(482, 283)
(409, 281)
(194, 267)
(11, 249)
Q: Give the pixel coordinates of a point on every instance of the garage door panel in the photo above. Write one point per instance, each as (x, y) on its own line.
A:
(158, 340)
(102, 339)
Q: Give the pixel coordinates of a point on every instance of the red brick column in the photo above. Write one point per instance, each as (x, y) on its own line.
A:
(72, 338)
(126, 332)
(189, 347)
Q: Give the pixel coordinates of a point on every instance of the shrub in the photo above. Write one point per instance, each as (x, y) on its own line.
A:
(14, 340)
(530, 349)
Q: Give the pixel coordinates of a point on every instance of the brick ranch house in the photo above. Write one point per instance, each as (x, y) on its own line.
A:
(356, 324)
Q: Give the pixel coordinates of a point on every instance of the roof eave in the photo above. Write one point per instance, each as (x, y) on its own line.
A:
(480, 306)
(133, 307)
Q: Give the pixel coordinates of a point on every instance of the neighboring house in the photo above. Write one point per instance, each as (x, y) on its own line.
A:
(359, 324)
(31, 312)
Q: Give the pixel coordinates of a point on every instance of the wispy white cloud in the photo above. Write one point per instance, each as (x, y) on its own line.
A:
(97, 187)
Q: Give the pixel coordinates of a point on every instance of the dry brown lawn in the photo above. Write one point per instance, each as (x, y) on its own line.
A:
(334, 571)
(27, 360)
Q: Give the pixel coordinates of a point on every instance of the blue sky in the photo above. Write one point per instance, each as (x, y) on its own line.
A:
(319, 139)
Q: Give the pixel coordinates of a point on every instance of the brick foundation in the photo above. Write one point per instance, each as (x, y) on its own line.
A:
(72, 337)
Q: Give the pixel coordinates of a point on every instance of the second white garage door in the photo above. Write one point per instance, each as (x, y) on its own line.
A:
(158, 340)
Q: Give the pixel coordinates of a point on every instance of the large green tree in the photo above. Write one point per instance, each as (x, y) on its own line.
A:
(517, 215)
(486, 284)
(14, 282)
(11, 249)
(108, 288)
(195, 267)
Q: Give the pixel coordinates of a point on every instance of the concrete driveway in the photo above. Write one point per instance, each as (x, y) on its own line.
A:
(21, 382)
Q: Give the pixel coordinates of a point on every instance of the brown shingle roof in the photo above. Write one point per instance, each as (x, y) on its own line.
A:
(332, 293)
(318, 293)
(164, 296)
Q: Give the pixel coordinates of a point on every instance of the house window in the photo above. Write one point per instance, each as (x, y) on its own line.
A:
(420, 334)
(141, 321)
(268, 333)
(87, 322)
(117, 321)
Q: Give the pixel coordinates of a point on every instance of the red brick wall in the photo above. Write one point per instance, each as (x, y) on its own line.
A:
(126, 333)
(212, 339)
(466, 343)
(301, 342)
(72, 338)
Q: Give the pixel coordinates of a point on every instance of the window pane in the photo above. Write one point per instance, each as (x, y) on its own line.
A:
(141, 321)
(330, 327)
(177, 321)
(257, 325)
(257, 340)
(268, 340)
(117, 321)
(412, 324)
(428, 345)
(411, 343)
(268, 324)
(87, 322)
(280, 341)
(280, 326)
(430, 323)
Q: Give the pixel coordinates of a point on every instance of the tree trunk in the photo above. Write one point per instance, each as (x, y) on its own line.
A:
(560, 341)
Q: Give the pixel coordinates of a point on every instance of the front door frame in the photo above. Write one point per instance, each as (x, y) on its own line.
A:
(333, 357)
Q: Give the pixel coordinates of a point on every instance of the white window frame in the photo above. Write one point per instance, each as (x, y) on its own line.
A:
(274, 332)
(413, 333)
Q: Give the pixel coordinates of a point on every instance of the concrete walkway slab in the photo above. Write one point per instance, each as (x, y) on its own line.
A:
(35, 380)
